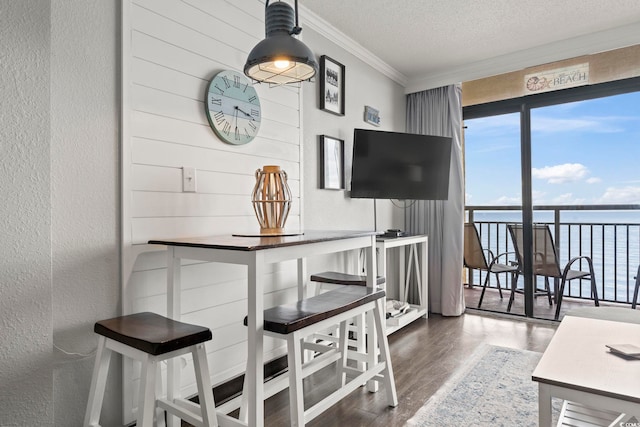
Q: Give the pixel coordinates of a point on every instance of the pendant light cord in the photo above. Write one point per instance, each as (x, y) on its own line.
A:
(296, 30)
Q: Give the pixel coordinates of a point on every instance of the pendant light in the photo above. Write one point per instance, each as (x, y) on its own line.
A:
(281, 58)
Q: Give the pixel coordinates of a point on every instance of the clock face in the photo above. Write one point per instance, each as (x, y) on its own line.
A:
(233, 107)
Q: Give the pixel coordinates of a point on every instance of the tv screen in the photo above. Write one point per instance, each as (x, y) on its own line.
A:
(405, 166)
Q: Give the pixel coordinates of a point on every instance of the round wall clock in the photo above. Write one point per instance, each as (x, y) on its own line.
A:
(233, 107)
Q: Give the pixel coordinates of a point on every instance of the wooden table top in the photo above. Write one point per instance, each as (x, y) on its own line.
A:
(577, 358)
(254, 243)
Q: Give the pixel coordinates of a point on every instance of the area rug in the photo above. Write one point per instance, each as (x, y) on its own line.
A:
(493, 388)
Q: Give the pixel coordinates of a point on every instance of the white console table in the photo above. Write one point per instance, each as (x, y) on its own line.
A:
(416, 264)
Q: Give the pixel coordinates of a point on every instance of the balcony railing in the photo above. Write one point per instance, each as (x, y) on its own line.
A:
(609, 234)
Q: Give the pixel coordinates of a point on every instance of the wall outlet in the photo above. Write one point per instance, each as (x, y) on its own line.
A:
(188, 180)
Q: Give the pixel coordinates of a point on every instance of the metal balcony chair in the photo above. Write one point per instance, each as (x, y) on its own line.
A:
(635, 292)
(474, 258)
(546, 264)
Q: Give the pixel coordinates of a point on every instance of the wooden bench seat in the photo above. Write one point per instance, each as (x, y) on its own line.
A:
(286, 318)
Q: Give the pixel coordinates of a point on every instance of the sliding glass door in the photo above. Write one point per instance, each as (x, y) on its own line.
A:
(493, 196)
(558, 159)
(584, 168)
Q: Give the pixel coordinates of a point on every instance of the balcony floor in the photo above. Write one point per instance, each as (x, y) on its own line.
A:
(541, 308)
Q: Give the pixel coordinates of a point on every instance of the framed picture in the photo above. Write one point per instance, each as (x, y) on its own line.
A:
(331, 163)
(331, 86)
(371, 115)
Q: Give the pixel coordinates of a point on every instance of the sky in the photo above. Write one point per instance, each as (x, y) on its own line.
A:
(583, 153)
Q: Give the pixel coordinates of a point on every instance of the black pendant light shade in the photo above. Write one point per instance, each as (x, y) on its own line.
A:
(281, 58)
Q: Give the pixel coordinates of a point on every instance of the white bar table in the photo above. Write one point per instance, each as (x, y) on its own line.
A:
(576, 366)
(256, 253)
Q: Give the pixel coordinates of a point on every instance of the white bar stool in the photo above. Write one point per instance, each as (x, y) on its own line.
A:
(151, 338)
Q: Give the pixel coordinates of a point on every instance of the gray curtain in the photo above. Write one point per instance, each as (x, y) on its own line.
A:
(439, 112)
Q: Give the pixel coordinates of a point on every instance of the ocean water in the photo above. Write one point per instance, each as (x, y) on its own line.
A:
(610, 238)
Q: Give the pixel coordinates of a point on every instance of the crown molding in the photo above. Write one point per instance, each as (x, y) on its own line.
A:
(327, 30)
(589, 44)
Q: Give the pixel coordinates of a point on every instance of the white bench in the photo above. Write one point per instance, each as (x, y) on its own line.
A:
(296, 321)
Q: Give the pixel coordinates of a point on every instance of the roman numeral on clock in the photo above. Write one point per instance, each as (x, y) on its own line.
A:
(227, 127)
(236, 82)
(219, 116)
(252, 126)
(253, 98)
(226, 82)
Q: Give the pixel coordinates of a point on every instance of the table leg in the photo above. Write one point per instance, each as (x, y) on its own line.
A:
(372, 341)
(255, 329)
(424, 278)
(174, 287)
(544, 405)
(302, 278)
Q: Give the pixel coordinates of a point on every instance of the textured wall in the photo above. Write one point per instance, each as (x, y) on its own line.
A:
(84, 197)
(26, 387)
(59, 186)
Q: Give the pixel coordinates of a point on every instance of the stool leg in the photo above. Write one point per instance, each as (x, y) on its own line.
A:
(296, 392)
(207, 405)
(360, 337)
(160, 419)
(98, 384)
(244, 403)
(372, 348)
(389, 381)
(146, 394)
(343, 345)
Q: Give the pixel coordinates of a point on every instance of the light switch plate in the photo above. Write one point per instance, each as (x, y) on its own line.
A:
(188, 180)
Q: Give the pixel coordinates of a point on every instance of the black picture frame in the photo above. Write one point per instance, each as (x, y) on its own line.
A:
(332, 84)
(331, 163)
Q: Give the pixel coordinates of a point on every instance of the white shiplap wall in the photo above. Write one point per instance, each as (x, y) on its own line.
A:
(171, 49)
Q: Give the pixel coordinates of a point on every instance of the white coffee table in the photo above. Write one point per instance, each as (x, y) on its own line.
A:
(576, 366)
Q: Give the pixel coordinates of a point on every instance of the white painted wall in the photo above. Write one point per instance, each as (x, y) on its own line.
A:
(59, 180)
(331, 209)
(327, 209)
(26, 386)
(85, 189)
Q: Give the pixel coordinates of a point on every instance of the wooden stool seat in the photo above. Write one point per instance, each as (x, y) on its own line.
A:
(152, 333)
(336, 278)
(150, 339)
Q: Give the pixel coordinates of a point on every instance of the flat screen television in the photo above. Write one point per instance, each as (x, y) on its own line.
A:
(405, 166)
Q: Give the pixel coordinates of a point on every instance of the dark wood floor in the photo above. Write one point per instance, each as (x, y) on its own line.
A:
(424, 354)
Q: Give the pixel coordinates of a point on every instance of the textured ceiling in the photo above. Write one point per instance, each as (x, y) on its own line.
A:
(423, 37)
